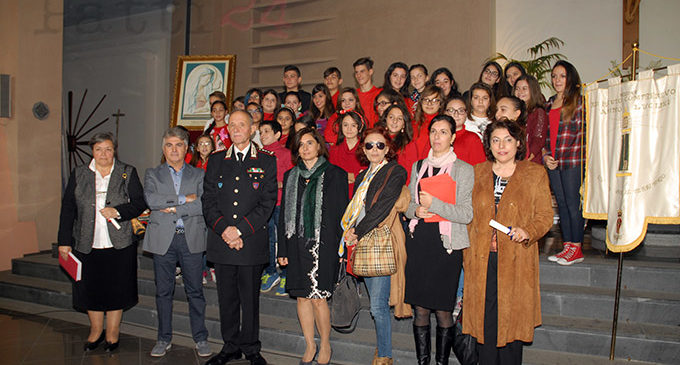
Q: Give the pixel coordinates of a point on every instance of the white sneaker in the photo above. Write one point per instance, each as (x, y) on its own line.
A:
(564, 251)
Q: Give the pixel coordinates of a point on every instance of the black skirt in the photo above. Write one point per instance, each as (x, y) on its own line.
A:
(431, 273)
(109, 280)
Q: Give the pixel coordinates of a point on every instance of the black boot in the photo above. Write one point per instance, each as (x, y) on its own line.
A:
(443, 345)
(421, 334)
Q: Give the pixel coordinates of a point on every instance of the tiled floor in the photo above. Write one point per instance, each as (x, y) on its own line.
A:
(37, 339)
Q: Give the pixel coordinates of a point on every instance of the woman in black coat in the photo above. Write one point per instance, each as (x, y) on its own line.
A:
(314, 197)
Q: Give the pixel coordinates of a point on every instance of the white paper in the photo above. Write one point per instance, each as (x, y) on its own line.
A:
(115, 223)
(499, 226)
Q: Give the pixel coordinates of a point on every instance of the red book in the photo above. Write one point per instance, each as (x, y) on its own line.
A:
(441, 187)
(72, 265)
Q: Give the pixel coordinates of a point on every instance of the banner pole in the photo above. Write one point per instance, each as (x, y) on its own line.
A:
(617, 296)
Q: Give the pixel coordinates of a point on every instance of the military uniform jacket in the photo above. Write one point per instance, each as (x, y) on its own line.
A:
(241, 194)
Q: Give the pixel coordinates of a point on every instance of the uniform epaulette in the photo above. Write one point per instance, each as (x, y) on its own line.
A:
(268, 152)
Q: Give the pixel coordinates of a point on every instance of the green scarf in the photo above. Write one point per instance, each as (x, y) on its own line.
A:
(312, 197)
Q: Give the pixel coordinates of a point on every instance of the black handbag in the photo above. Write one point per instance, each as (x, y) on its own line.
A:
(344, 303)
(464, 346)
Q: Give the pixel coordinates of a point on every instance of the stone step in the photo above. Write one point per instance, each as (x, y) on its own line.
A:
(661, 307)
(558, 337)
(662, 241)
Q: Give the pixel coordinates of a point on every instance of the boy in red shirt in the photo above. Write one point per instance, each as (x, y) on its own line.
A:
(270, 132)
(333, 80)
(363, 73)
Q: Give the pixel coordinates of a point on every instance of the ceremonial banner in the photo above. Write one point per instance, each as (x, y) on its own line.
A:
(633, 156)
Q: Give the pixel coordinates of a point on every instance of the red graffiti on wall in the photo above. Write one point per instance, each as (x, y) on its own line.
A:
(235, 17)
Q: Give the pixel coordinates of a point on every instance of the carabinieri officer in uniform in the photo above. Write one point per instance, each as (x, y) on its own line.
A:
(239, 196)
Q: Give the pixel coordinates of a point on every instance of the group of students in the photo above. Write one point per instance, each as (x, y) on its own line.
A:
(417, 126)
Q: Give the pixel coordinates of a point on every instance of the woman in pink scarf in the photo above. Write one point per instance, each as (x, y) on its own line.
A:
(434, 249)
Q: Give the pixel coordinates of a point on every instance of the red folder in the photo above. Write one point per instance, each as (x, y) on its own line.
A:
(72, 265)
(441, 187)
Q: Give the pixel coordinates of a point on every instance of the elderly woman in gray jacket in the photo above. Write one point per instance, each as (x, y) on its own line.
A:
(99, 201)
(434, 248)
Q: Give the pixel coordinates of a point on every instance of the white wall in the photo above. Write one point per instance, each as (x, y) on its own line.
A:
(659, 30)
(127, 59)
(590, 29)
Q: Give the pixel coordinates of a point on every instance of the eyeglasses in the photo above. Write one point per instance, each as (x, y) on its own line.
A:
(491, 72)
(379, 145)
(453, 111)
(431, 101)
(202, 144)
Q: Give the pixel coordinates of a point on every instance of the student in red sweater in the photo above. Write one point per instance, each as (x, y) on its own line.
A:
(332, 78)
(343, 154)
(363, 73)
(430, 105)
(349, 100)
(385, 98)
(270, 132)
(286, 119)
(218, 129)
(270, 104)
(397, 121)
(443, 79)
(322, 108)
(467, 146)
(397, 78)
(527, 89)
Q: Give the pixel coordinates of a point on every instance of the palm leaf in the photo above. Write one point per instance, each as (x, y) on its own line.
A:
(542, 57)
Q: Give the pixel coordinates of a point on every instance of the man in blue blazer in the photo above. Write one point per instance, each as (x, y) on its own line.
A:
(177, 233)
(240, 195)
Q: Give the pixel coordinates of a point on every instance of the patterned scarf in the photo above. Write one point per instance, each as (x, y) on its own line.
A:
(444, 164)
(310, 224)
(356, 204)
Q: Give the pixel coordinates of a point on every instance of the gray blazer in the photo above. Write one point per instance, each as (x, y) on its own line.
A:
(460, 214)
(159, 192)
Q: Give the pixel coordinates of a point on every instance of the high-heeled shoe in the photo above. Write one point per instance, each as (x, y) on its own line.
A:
(110, 347)
(89, 346)
(329, 359)
(310, 362)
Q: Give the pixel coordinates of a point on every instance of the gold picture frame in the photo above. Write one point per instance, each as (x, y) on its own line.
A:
(196, 78)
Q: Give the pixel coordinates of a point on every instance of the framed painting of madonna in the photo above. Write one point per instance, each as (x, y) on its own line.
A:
(195, 79)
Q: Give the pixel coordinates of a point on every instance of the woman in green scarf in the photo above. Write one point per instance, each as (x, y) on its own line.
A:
(315, 194)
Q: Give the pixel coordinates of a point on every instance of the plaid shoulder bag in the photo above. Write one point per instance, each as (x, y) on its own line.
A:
(373, 254)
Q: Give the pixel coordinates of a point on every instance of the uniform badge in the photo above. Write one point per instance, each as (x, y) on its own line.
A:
(219, 185)
(256, 185)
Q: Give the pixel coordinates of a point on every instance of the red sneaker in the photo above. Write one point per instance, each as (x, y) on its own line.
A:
(564, 251)
(573, 256)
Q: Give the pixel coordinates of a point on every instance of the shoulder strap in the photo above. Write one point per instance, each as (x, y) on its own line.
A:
(375, 197)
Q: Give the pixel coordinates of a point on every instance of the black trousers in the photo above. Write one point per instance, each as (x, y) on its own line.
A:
(489, 354)
(238, 293)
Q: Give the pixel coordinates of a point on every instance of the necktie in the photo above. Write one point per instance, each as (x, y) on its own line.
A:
(239, 156)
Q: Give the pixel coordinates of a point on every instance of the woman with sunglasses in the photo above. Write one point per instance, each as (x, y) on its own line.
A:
(434, 247)
(379, 198)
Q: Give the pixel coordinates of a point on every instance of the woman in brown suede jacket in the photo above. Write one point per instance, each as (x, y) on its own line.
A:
(502, 302)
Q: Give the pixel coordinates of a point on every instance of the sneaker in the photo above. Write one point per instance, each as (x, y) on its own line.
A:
(281, 290)
(212, 275)
(205, 281)
(203, 348)
(178, 272)
(564, 251)
(574, 256)
(160, 348)
(269, 281)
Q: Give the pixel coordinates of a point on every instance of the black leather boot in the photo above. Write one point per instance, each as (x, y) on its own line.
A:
(421, 335)
(443, 344)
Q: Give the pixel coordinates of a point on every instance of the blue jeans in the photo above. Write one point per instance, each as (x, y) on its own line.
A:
(566, 185)
(192, 275)
(379, 293)
(459, 294)
(272, 224)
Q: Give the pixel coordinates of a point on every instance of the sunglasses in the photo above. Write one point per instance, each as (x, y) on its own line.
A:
(379, 145)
